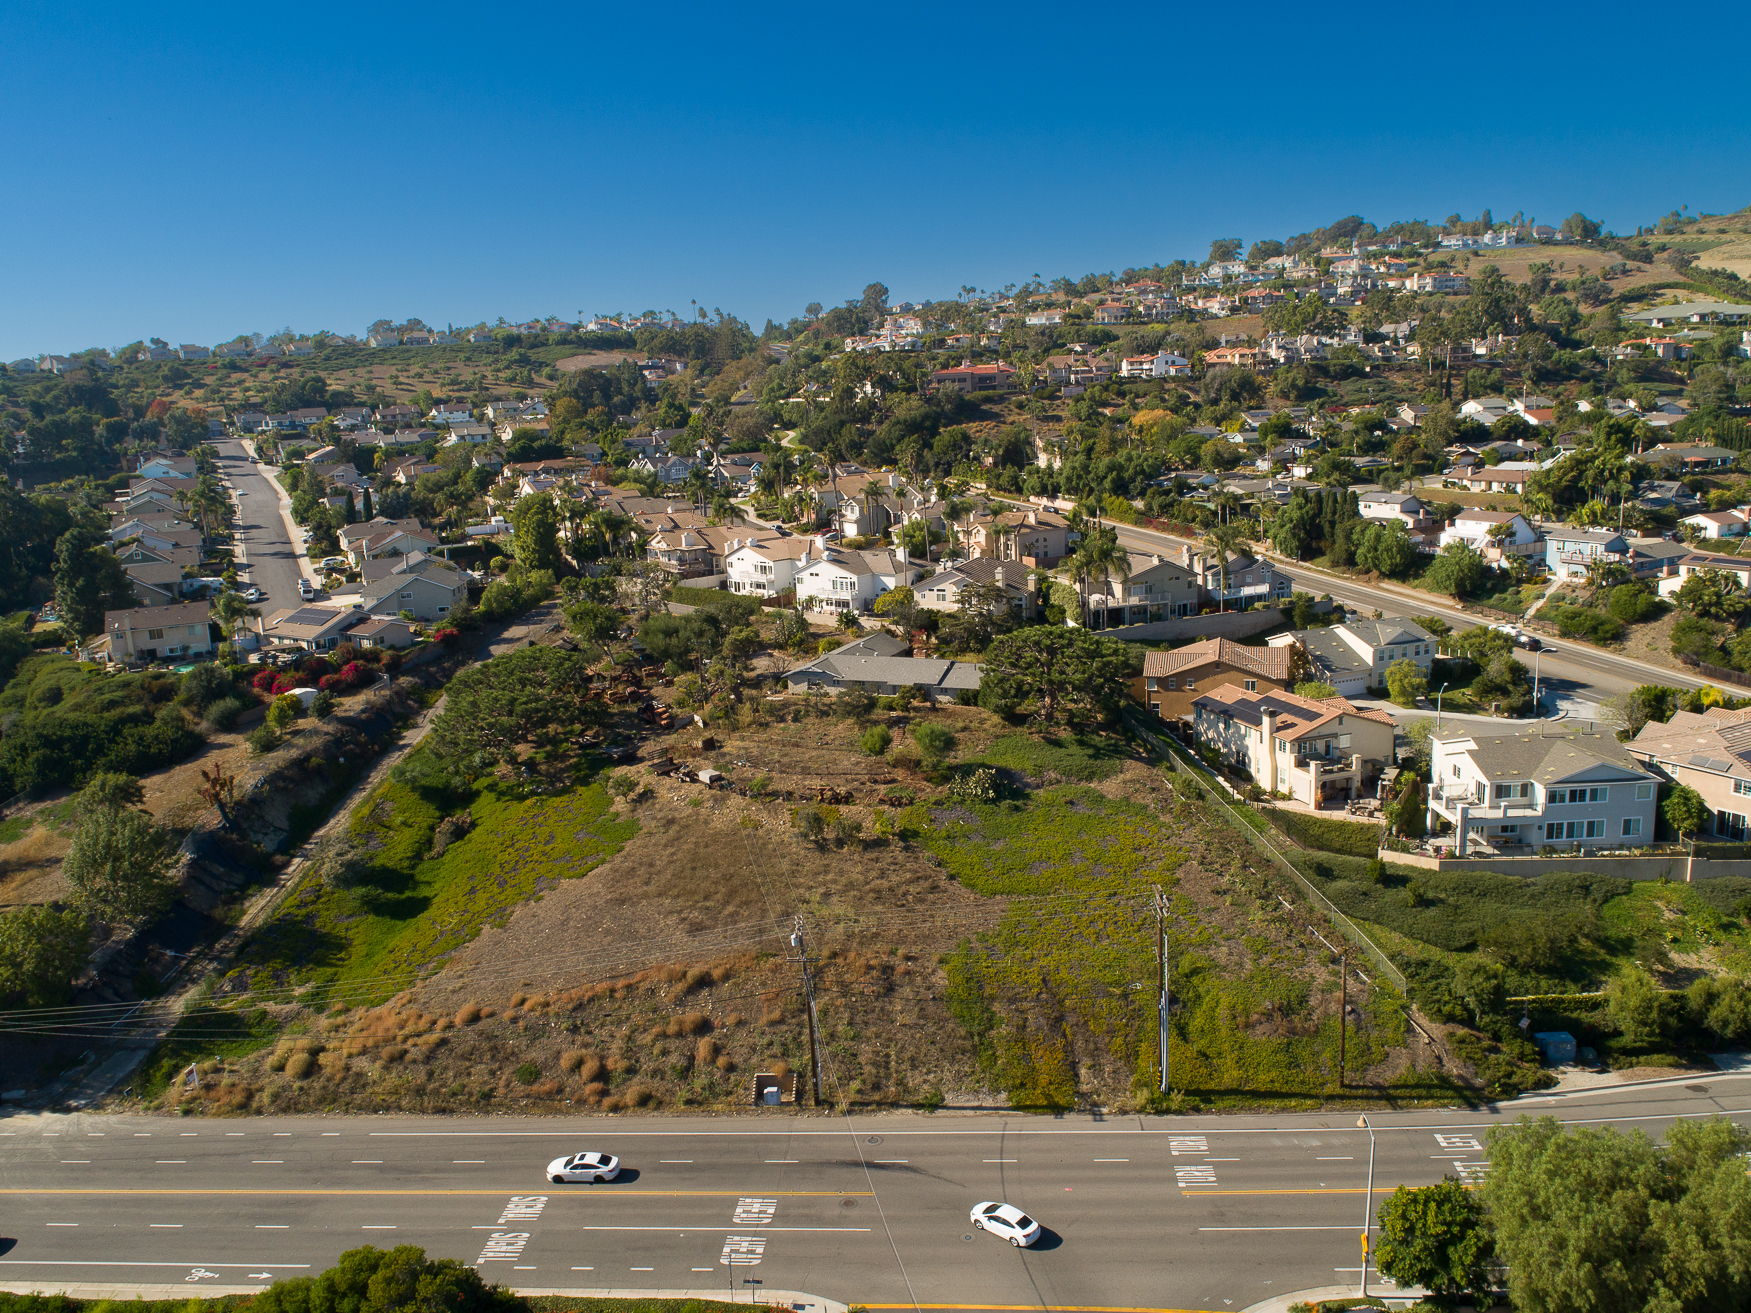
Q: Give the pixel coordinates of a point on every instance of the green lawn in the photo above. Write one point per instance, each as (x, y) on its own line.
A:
(411, 912)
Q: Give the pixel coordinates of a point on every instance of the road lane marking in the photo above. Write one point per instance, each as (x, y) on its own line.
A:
(119, 1262)
(1221, 1160)
(165, 1162)
(95, 1135)
(165, 1226)
(1195, 1174)
(60, 1224)
(615, 1194)
(999, 1160)
(265, 1162)
(879, 1160)
(642, 1269)
(591, 1269)
(273, 1226)
(326, 1134)
(377, 1226)
(1194, 1144)
(142, 1135)
(474, 1161)
(673, 1229)
(1346, 1159)
(357, 1161)
(770, 1160)
(1057, 1308)
(1336, 1189)
(1276, 1228)
(234, 1135)
(683, 1160)
(65, 1161)
(1112, 1160)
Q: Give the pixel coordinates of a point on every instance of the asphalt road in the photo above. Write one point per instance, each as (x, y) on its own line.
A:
(1139, 1213)
(1571, 669)
(274, 563)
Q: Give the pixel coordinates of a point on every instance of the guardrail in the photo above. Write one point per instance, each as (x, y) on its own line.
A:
(1173, 754)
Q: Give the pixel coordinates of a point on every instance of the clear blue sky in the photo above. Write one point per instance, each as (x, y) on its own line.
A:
(193, 171)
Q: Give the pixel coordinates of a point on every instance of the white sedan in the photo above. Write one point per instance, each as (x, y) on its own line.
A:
(585, 1167)
(1006, 1220)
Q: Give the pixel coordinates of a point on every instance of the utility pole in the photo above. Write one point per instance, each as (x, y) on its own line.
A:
(1161, 974)
(1343, 1015)
(802, 959)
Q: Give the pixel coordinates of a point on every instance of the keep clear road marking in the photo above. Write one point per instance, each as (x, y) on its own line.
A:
(504, 1246)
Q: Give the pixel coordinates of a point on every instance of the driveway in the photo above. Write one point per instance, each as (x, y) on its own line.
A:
(275, 563)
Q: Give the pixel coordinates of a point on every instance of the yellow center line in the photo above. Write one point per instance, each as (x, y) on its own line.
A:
(1346, 1189)
(511, 1190)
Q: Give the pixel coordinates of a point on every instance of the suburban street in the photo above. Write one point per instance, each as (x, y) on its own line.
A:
(1206, 1213)
(1573, 668)
(274, 563)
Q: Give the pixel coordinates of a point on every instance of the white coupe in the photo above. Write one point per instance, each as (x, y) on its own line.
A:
(585, 1167)
(1008, 1221)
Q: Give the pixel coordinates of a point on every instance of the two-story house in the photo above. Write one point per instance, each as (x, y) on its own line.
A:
(1569, 552)
(1353, 657)
(1239, 583)
(1493, 534)
(765, 564)
(1315, 751)
(1710, 753)
(944, 590)
(159, 633)
(1152, 589)
(1729, 523)
(1566, 791)
(1694, 563)
(1171, 681)
(431, 589)
(838, 579)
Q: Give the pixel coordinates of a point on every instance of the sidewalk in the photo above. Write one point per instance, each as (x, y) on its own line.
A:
(793, 1299)
(1395, 1299)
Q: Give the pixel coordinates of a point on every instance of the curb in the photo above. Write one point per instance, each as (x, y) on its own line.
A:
(797, 1300)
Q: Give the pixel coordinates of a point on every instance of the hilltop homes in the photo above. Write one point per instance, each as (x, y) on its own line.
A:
(1353, 657)
(1315, 751)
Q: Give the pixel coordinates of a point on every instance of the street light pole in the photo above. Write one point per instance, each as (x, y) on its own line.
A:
(1368, 1207)
(1438, 693)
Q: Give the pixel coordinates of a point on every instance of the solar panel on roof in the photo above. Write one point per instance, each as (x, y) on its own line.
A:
(1710, 763)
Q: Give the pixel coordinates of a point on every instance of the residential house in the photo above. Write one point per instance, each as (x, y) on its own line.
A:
(1692, 563)
(1695, 312)
(1400, 506)
(166, 467)
(1152, 590)
(943, 591)
(450, 412)
(1240, 583)
(1494, 478)
(379, 537)
(188, 351)
(398, 416)
(1568, 791)
(1353, 657)
(1718, 524)
(840, 579)
(383, 631)
(1246, 356)
(299, 348)
(764, 564)
(156, 582)
(883, 664)
(1315, 751)
(1493, 534)
(313, 628)
(1568, 552)
(468, 432)
(407, 470)
(1710, 753)
(1172, 680)
(416, 582)
(1163, 364)
(309, 416)
(968, 378)
(1654, 559)
(1690, 455)
(1034, 537)
(159, 633)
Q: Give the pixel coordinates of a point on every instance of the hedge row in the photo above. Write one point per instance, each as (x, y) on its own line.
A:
(1327, 833)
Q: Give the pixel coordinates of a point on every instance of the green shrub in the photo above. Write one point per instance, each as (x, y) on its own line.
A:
(223, 714)
(527, 1074)
(1327, 833)
(1632, 604)
(875, 740)
(1593, 626)
(264, 738)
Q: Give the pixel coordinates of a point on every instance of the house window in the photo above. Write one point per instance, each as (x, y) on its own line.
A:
(1455, 770)
(1739, 786)
(1581, 795)
(406, 596)
(1252, 686)
(1730, 825)
(154, 634)
(1188, 684)
(1632, 825)
(1172, 680)
(1149, 684)
(1282, 746)
(1575, 830)
(442, 610)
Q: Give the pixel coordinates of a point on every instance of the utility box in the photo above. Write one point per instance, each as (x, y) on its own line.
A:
(1556, 1047)
(772, 1091)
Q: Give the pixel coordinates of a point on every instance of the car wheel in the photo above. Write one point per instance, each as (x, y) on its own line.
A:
(978, 1226)
(1016, 1241)
(557, 1180)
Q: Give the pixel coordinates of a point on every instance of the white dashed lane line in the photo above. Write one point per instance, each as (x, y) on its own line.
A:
(65, 1161)
(273, 1226)
(169, 1162)
(1000, 1160)
(465, 1162)
(165, 1226)
(377, 1161)
(60, 1224)
(377, 1226)
(265, 1162)
(1112, 1160)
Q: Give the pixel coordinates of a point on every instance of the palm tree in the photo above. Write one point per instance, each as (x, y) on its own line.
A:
(1099, 557)
(1226, 539)
(1227, 503)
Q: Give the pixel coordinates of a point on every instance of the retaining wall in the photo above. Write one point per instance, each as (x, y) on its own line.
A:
(1670, 865)
(1233, 624)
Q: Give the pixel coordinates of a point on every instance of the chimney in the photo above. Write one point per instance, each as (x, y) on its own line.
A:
(1000, 572)
(1270, 751)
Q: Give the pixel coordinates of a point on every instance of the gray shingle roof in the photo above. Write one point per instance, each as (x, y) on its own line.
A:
(1549, 757)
